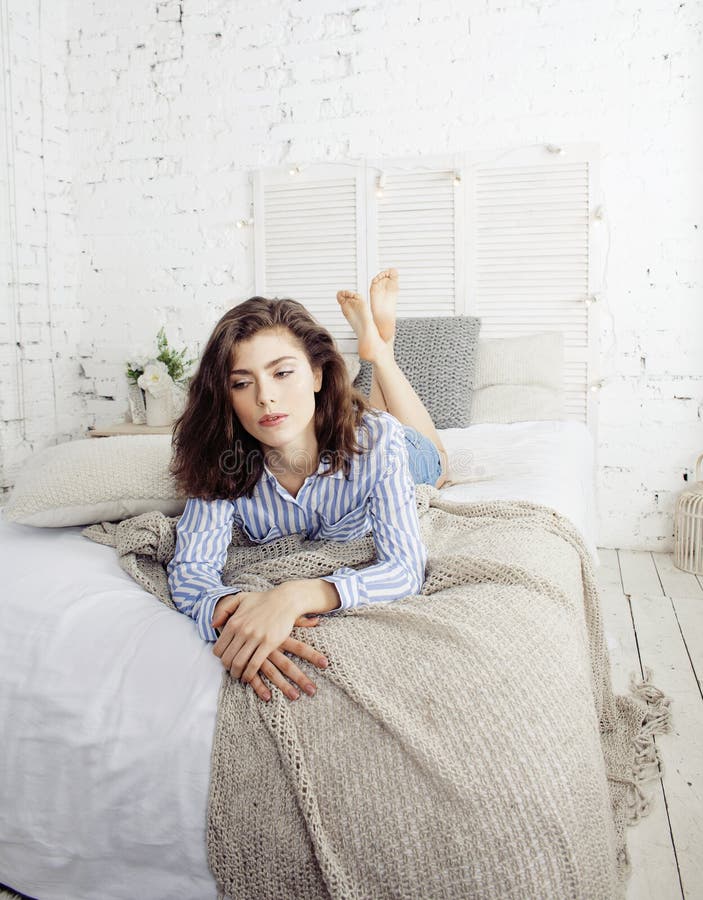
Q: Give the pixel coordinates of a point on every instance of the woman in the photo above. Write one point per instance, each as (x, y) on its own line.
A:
(275, 439)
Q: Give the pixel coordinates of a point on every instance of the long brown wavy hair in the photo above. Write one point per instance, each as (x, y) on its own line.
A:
(213, 456)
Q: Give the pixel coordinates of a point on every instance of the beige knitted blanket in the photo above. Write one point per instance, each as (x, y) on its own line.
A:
(463, 743)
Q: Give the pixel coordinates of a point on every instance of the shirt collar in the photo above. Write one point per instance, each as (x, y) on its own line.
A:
(321, 469)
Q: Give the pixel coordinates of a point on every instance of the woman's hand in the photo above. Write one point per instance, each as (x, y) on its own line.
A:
(225, 607)
(278, 667)
(258, 624)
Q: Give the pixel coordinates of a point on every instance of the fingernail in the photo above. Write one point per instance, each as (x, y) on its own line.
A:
(310, 689)
(324, 662)
(267, 697)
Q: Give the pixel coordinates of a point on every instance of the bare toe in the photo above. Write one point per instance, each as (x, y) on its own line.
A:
(347, 295)
(386, 273)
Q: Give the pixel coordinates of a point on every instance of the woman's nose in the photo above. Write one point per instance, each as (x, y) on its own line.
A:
(265, 396)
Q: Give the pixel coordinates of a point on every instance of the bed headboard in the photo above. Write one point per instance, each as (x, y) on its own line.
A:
(510, 237)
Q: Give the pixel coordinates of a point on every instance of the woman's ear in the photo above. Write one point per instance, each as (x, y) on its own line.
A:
(317, 378)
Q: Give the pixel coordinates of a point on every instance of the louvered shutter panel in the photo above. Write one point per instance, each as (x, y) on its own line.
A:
(511, 242)
(529, 252)
(417, 229)
(309, 229)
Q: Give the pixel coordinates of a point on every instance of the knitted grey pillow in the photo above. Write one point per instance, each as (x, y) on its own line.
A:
(437, 355)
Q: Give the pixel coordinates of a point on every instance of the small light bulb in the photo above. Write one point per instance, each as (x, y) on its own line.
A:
(457, 178)
(555, 148)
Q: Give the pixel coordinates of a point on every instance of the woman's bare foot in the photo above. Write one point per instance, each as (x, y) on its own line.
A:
(358, 314)
(384, 296)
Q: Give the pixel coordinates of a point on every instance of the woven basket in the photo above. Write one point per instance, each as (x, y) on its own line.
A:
(688, 527)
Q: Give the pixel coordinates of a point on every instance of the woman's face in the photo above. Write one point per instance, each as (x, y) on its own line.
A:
(271, 375)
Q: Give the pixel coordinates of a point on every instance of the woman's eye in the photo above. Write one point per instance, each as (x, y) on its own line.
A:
(242, 384)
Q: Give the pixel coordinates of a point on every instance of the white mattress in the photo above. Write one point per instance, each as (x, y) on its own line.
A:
(108, 698)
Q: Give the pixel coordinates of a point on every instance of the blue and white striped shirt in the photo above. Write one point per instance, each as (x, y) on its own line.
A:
(379, 496)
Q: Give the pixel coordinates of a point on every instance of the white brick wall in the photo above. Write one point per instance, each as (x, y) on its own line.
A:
(39, 319)
(168, 105)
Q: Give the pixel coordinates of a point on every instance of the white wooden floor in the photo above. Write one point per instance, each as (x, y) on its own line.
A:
(653, 617)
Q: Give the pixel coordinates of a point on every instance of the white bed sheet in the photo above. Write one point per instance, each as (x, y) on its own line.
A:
(108, 799)
(99, 799)
(552, 463)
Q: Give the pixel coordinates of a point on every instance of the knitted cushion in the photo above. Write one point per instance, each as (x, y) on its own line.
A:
(437, 356)
(519, 379)
(95, 480)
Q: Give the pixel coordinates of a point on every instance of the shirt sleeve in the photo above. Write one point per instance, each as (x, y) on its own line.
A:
(400, 551)
(203, 535)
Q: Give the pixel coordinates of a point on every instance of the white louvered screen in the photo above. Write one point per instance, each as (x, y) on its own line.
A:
(576, 394)
(309, 239)
(529, 248)
(510, 241)
(416, 229)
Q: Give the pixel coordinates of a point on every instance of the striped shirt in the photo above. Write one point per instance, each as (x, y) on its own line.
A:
(379, 496)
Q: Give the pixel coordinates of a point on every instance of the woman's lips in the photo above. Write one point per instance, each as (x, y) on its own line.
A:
(271, 422)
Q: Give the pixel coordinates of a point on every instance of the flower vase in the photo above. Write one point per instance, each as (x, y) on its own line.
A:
(159, 410)
(137, 408)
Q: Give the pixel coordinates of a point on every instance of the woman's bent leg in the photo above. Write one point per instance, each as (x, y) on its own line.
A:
(402, 401)
(390, 384)
(376, 398)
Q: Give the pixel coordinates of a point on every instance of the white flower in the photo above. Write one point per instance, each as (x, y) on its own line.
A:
(155, 378)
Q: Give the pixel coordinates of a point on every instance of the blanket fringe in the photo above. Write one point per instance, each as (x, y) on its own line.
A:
(624, 864)
(647, 765)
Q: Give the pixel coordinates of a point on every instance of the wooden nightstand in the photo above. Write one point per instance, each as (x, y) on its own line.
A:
(128, 428)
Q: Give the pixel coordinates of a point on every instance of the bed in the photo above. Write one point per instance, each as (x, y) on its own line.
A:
(109, 698)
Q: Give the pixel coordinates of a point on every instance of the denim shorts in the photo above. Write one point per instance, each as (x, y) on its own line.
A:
(425, 462)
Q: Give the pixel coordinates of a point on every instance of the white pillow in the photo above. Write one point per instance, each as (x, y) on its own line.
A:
(519, 379)
(353, 364)
(505, 403)
(95, 480)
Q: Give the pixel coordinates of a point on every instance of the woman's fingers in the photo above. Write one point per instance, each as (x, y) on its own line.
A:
(281, 671)
(231, 649)
(244, 657)
(305, 651)
(260, 688)
(276, 677)
(244, 660)
(292, 672)
(254, 664)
